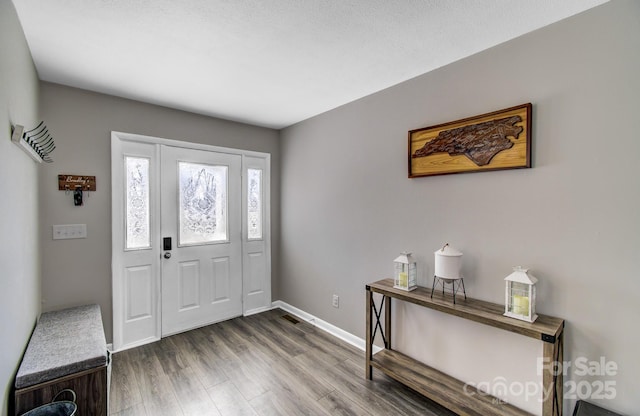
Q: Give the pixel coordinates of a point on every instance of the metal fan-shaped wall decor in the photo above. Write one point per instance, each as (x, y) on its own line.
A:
(36, 142)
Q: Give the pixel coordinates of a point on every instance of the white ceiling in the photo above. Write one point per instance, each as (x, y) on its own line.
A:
(266, 62)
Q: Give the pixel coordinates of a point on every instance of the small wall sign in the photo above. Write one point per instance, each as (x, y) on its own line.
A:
(74, 182)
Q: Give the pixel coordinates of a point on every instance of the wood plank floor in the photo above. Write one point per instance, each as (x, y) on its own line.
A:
(258, 365)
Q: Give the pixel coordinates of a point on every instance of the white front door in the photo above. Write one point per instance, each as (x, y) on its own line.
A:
(200, 223)
(190, 236)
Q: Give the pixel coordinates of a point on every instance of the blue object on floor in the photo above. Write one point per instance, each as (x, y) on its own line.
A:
(54, 409)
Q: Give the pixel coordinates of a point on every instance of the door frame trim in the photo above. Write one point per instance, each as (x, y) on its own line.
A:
(117, 301)
(132, 137)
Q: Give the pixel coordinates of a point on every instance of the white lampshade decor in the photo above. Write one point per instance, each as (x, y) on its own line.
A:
(448, 262)
(405, 274)
(520, 295)
(448, 265)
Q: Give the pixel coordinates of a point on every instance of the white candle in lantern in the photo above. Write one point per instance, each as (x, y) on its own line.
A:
(403, 279)
(520, 305)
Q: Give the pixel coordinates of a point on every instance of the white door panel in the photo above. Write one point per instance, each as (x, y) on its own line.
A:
(256, 254)
(202, 279)
(219, 264)
(135, 225)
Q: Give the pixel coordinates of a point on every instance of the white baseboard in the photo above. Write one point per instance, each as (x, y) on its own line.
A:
(136, 344)
(307, 317)
(257, 310)
(325, 326)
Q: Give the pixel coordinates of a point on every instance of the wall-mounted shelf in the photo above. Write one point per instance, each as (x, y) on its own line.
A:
(36, 142)
(440, 387)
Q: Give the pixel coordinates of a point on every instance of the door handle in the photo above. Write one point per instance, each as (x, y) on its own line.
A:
(166, 245)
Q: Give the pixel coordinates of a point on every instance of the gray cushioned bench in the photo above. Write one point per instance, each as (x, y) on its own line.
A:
(67, 350)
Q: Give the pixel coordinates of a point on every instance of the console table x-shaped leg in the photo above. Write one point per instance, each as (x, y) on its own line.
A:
(371, 334)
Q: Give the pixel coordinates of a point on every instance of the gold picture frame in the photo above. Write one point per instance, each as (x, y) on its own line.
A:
(492, 141)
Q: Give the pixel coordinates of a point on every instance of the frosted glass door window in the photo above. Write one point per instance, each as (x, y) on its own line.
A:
(137, 203)
(254, 204)
(202, 203)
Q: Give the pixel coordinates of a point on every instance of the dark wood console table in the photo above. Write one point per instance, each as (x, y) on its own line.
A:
(440, 387)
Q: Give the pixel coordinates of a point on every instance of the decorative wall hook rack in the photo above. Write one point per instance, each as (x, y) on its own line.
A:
(36, 142)
(71, 182)
(76, 184)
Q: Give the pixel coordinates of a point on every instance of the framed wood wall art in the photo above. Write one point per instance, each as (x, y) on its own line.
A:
(493, 141)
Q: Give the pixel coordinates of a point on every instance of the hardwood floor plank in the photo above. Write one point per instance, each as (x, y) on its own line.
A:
(229, 401)
(404, 399)
(338, 404)
(229, 333)
(282, 402)
(339, 347)
(136, 410)
(270, 343)
(287, 376)
(124, 386)
(192, 396)
(200, 355)
(249, 377)
(256, 365)
(267, 330)
(307, 341)
(271, 313)
(223, 340)
(168, 355)
(353, 387)
(276, 366)
(155, 387)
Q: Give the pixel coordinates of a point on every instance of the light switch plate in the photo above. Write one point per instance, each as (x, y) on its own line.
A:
(69, 231)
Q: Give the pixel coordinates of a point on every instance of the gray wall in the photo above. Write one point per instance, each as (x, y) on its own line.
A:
(20, 293)
(79, 271)
(348, 208)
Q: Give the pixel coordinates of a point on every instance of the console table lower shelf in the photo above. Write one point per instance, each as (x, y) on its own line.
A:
(446, 390)
(440, 387)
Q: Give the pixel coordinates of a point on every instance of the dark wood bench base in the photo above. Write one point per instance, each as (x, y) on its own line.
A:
(90, 387)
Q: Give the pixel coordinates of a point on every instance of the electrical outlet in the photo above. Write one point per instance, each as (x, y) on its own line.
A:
(336, 301)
